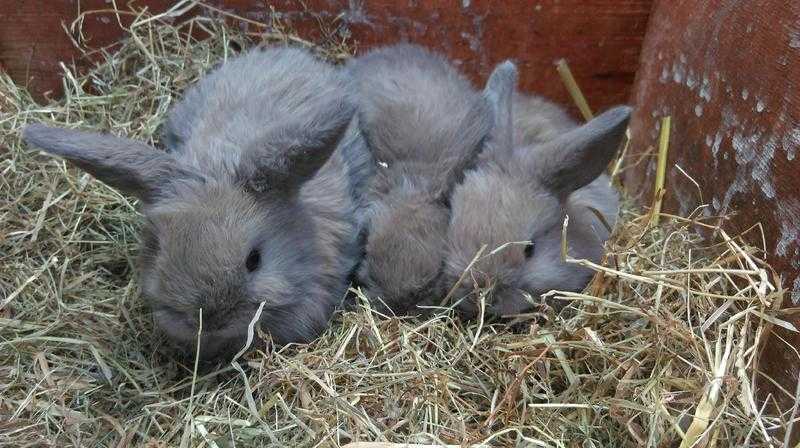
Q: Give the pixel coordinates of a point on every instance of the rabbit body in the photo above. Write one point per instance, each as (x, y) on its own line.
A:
(538, 166)
(423, 123)
(254, 201)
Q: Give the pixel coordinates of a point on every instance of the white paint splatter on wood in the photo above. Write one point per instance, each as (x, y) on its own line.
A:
(705, 89)
(791, 141)
(794, 39)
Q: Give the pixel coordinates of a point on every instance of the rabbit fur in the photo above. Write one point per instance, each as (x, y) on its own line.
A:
(424, 124)
(537, 167)
(256, 199)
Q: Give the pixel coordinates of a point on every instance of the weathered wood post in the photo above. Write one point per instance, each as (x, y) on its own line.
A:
(728, 72)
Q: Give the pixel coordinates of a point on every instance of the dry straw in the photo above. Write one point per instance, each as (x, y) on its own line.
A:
(660, 350)
(574, 91)
(661, 169)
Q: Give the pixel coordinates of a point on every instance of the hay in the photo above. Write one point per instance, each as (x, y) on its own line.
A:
(660, 351)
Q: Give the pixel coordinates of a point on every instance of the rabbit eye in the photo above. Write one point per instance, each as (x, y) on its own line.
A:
(253, 260)
(529, 250)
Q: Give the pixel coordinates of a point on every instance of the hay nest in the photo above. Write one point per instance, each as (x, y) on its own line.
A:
(661, 348)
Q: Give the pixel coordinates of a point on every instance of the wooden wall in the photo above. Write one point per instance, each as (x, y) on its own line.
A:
(601, 39)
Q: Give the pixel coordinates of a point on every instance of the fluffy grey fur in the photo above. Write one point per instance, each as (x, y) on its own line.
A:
(538, 166)
(424, 123)
(255, 199)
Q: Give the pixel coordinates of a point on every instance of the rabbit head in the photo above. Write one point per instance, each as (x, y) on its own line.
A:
(423, 123)
(404, 250)
(226, 227)
(515, 201)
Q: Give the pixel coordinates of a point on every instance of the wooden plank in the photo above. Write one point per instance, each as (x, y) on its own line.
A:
(728, 73)
(33, 41)
(601, 39)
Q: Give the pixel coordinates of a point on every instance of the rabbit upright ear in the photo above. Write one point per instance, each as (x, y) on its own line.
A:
(576, 158)
(127, 165)
(499, 93)
(292, 153)
(470, 136)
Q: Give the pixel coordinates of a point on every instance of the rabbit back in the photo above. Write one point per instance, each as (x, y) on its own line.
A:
(415, 107)
(537, 120)
(235, 106)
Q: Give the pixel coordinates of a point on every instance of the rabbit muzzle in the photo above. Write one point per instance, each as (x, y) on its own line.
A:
(219, 337)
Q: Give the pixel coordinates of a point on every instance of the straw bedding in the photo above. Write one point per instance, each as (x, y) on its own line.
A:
(660, 350)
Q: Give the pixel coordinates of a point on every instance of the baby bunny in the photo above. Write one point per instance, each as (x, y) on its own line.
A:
(253, 201)
(535, 169)
(423, 123)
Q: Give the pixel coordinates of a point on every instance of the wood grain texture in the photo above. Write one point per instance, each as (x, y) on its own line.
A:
(728, 73)
(600, 39)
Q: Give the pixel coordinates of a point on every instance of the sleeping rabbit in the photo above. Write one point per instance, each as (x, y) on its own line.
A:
(423, 123)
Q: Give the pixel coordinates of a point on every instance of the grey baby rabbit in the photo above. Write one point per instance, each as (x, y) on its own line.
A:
(423, 123)
(253, 201)
(537, 167)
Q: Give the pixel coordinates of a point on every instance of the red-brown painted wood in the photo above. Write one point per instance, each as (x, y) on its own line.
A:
(600, 38)
(728, 73)
(33, 39)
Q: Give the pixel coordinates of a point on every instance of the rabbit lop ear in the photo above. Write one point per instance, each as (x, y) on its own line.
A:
(289, 155)
(499, 93)
(127, 165)
(579, 156)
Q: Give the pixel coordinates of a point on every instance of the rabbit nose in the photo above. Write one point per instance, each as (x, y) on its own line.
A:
(189, 318)
(210, 320)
